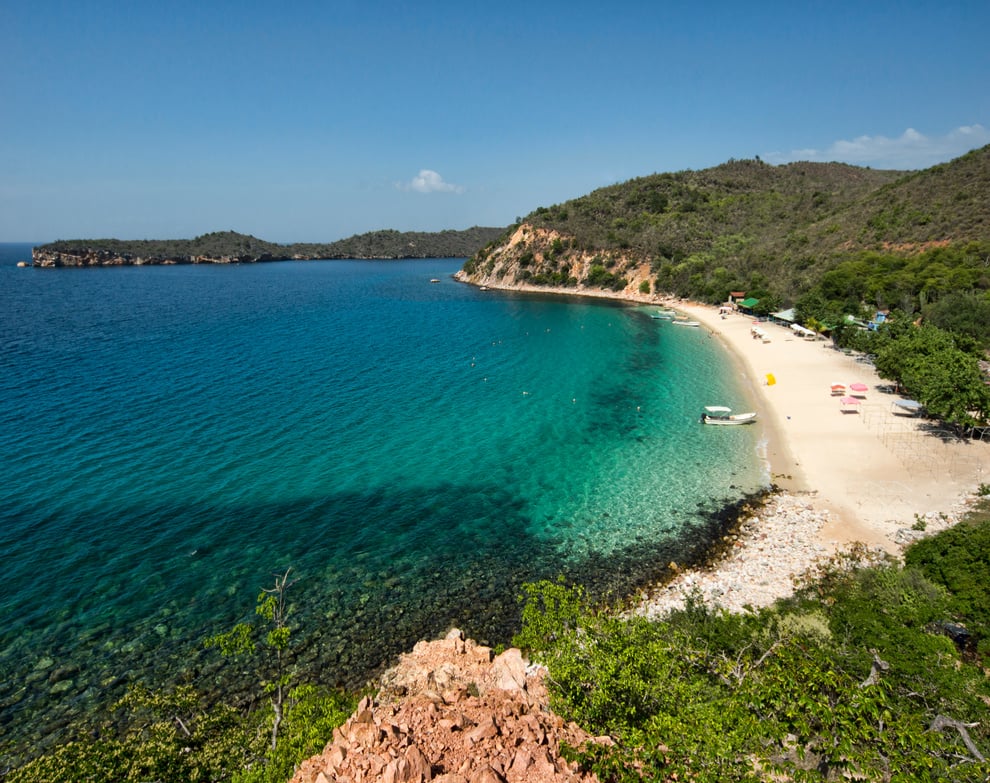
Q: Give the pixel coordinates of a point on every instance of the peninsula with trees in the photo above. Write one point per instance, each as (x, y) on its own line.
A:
(230, 247)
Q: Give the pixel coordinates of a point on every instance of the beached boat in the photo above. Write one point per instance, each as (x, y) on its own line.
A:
(719, 414)
(678, 322)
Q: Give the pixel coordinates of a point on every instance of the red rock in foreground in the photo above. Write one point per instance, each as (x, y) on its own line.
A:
(450, 712)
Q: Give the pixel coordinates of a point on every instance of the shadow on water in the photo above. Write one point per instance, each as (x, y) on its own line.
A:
(362, 598)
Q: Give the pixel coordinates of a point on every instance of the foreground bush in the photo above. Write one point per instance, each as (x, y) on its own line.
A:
(171, 736)
(845, 679)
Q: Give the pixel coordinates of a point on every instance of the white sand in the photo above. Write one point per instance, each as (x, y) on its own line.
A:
(862, 474)
(872, 469)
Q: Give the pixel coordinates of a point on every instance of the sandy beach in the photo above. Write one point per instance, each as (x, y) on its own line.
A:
(848, 473)
(872, 467)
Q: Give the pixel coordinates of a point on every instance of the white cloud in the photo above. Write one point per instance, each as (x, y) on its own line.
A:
(428, 181)
(910, 150)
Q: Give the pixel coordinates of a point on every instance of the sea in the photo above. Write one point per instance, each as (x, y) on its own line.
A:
(411, 452)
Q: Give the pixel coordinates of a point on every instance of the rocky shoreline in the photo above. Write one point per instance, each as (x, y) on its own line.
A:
(771, 549)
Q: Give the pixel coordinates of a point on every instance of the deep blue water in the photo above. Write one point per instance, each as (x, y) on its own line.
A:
(170, 436)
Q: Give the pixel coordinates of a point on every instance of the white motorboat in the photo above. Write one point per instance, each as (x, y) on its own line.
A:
(719, 414)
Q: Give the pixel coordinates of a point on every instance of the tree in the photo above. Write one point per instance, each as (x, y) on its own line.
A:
(964, 313)
(240, 640)
(950, 385)
(929, 364)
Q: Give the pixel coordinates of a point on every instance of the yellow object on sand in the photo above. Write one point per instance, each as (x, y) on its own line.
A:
(770, 379)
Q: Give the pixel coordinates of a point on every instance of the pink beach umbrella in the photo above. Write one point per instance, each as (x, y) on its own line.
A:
(850, 405)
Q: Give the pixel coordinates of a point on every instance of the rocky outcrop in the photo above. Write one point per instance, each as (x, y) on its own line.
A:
(536, 258)
(452, 712)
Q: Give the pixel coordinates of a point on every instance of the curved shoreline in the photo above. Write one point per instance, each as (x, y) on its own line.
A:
(847, 474)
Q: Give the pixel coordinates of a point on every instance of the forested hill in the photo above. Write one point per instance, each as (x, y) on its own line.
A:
(232, 247)
(749, 226)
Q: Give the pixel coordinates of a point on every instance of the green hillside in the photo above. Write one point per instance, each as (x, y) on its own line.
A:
(748, 225)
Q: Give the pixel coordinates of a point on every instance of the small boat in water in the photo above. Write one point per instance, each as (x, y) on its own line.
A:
(679, 322)
(665, 315)
(719, 414)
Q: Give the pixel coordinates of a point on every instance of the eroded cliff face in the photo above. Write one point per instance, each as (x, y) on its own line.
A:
(54, 258)
(544, 258)
(452, 712)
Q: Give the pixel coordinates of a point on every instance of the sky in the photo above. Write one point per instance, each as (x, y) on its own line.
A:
(313, 120)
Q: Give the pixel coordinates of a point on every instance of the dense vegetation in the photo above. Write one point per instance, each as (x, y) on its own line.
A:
(776, 232)
(855, 677)
(230, 244)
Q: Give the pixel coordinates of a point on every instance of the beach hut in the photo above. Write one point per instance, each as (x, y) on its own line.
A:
(747, 305)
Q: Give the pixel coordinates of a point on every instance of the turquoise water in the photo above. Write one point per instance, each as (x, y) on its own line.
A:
(172, 435)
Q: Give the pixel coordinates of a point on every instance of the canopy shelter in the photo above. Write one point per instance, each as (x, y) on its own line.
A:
(908, 407)
(783, 316)
(858, 389)
(803, 331)
(838, 389)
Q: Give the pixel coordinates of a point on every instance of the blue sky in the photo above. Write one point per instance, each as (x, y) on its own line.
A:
(313, 121)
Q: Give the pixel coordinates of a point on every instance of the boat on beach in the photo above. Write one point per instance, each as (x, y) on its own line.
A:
(719, 414)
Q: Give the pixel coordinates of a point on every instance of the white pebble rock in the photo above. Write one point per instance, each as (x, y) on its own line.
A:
(770, 552)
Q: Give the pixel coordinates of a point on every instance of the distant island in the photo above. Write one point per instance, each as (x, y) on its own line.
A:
(230, 247)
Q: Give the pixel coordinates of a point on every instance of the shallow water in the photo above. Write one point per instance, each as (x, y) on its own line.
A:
(415, 451)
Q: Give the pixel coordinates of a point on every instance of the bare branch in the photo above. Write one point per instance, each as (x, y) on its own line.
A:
(879, 665)
(942, 722)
